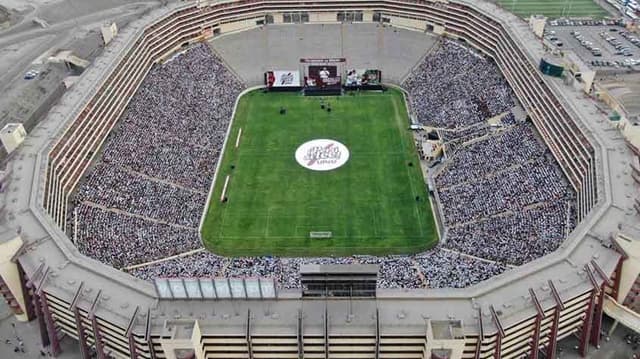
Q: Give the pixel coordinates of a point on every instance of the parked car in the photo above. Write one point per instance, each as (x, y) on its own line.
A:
(31, 74)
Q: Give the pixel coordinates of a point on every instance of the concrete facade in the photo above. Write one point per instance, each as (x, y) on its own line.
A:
(12, 135)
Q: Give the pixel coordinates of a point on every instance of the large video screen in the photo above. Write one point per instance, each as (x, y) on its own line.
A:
(322, 75)
(282, 78)
(362, 77)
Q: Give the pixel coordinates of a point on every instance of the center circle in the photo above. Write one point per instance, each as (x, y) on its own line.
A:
(322, 154)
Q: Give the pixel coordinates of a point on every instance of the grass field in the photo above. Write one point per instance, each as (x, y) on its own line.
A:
(554, 8)
(369, 204)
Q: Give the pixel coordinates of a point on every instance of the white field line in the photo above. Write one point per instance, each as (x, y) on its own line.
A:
(224, 188)
(238, 138)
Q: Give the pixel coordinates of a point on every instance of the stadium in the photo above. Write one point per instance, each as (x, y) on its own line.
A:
(448, 200)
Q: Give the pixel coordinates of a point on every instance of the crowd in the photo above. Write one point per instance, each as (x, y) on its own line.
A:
(514, 238)
(116, 188)
(508, 119)
(143, 199)
(510, 190)
(464, 134)
(120, 239)
(503, 197)
(478, 130)
(433, 269)
(443, 269)
(514, 146)
(455, 87)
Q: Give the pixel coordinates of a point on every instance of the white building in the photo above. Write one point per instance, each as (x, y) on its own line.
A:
(12, 135)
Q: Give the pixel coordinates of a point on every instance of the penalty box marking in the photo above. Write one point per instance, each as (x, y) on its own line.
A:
(414, 249)
(307, 237)
(304, 229)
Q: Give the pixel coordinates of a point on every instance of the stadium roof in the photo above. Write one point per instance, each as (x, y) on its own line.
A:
(399, 309)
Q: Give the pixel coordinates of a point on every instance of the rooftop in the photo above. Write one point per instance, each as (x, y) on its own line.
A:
(10, 127)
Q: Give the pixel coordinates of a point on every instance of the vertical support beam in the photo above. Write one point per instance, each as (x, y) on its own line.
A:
(215, 291)
(300, 335)
(553, 333)
(29, 309)
(51, 328)
(326, 330)
(586, 326)
(170, 289)
(259, 288)
(616, 284)
(152, 349)
(133, 351)
(499, 335)
(597, 319)
(535, 342)
(147, 335)
(585, 335)
(377, 333)
(248, 333)
(98, 337)
(275, 288)
(44, 336)
(244, 287)
(96, 328)
(82, 337)
(481, 334)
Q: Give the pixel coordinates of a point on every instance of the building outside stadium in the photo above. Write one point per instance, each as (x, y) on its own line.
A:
(532, 306)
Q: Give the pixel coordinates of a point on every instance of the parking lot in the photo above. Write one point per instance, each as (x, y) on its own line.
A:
(601, 46)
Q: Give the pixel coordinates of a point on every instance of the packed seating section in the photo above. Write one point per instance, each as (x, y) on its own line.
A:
(505, 200)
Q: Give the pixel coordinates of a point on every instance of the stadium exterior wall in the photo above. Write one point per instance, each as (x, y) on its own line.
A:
(540, 303)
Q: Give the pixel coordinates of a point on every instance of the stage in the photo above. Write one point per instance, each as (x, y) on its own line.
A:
(323, 91)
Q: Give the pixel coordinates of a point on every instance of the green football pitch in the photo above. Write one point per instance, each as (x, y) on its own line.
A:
(273, 203)
(554, 8)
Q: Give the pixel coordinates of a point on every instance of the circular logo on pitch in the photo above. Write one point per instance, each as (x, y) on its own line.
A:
(322, 155)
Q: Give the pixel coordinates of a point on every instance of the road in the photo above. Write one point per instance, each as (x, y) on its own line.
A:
(124, 13)
(25, 42)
